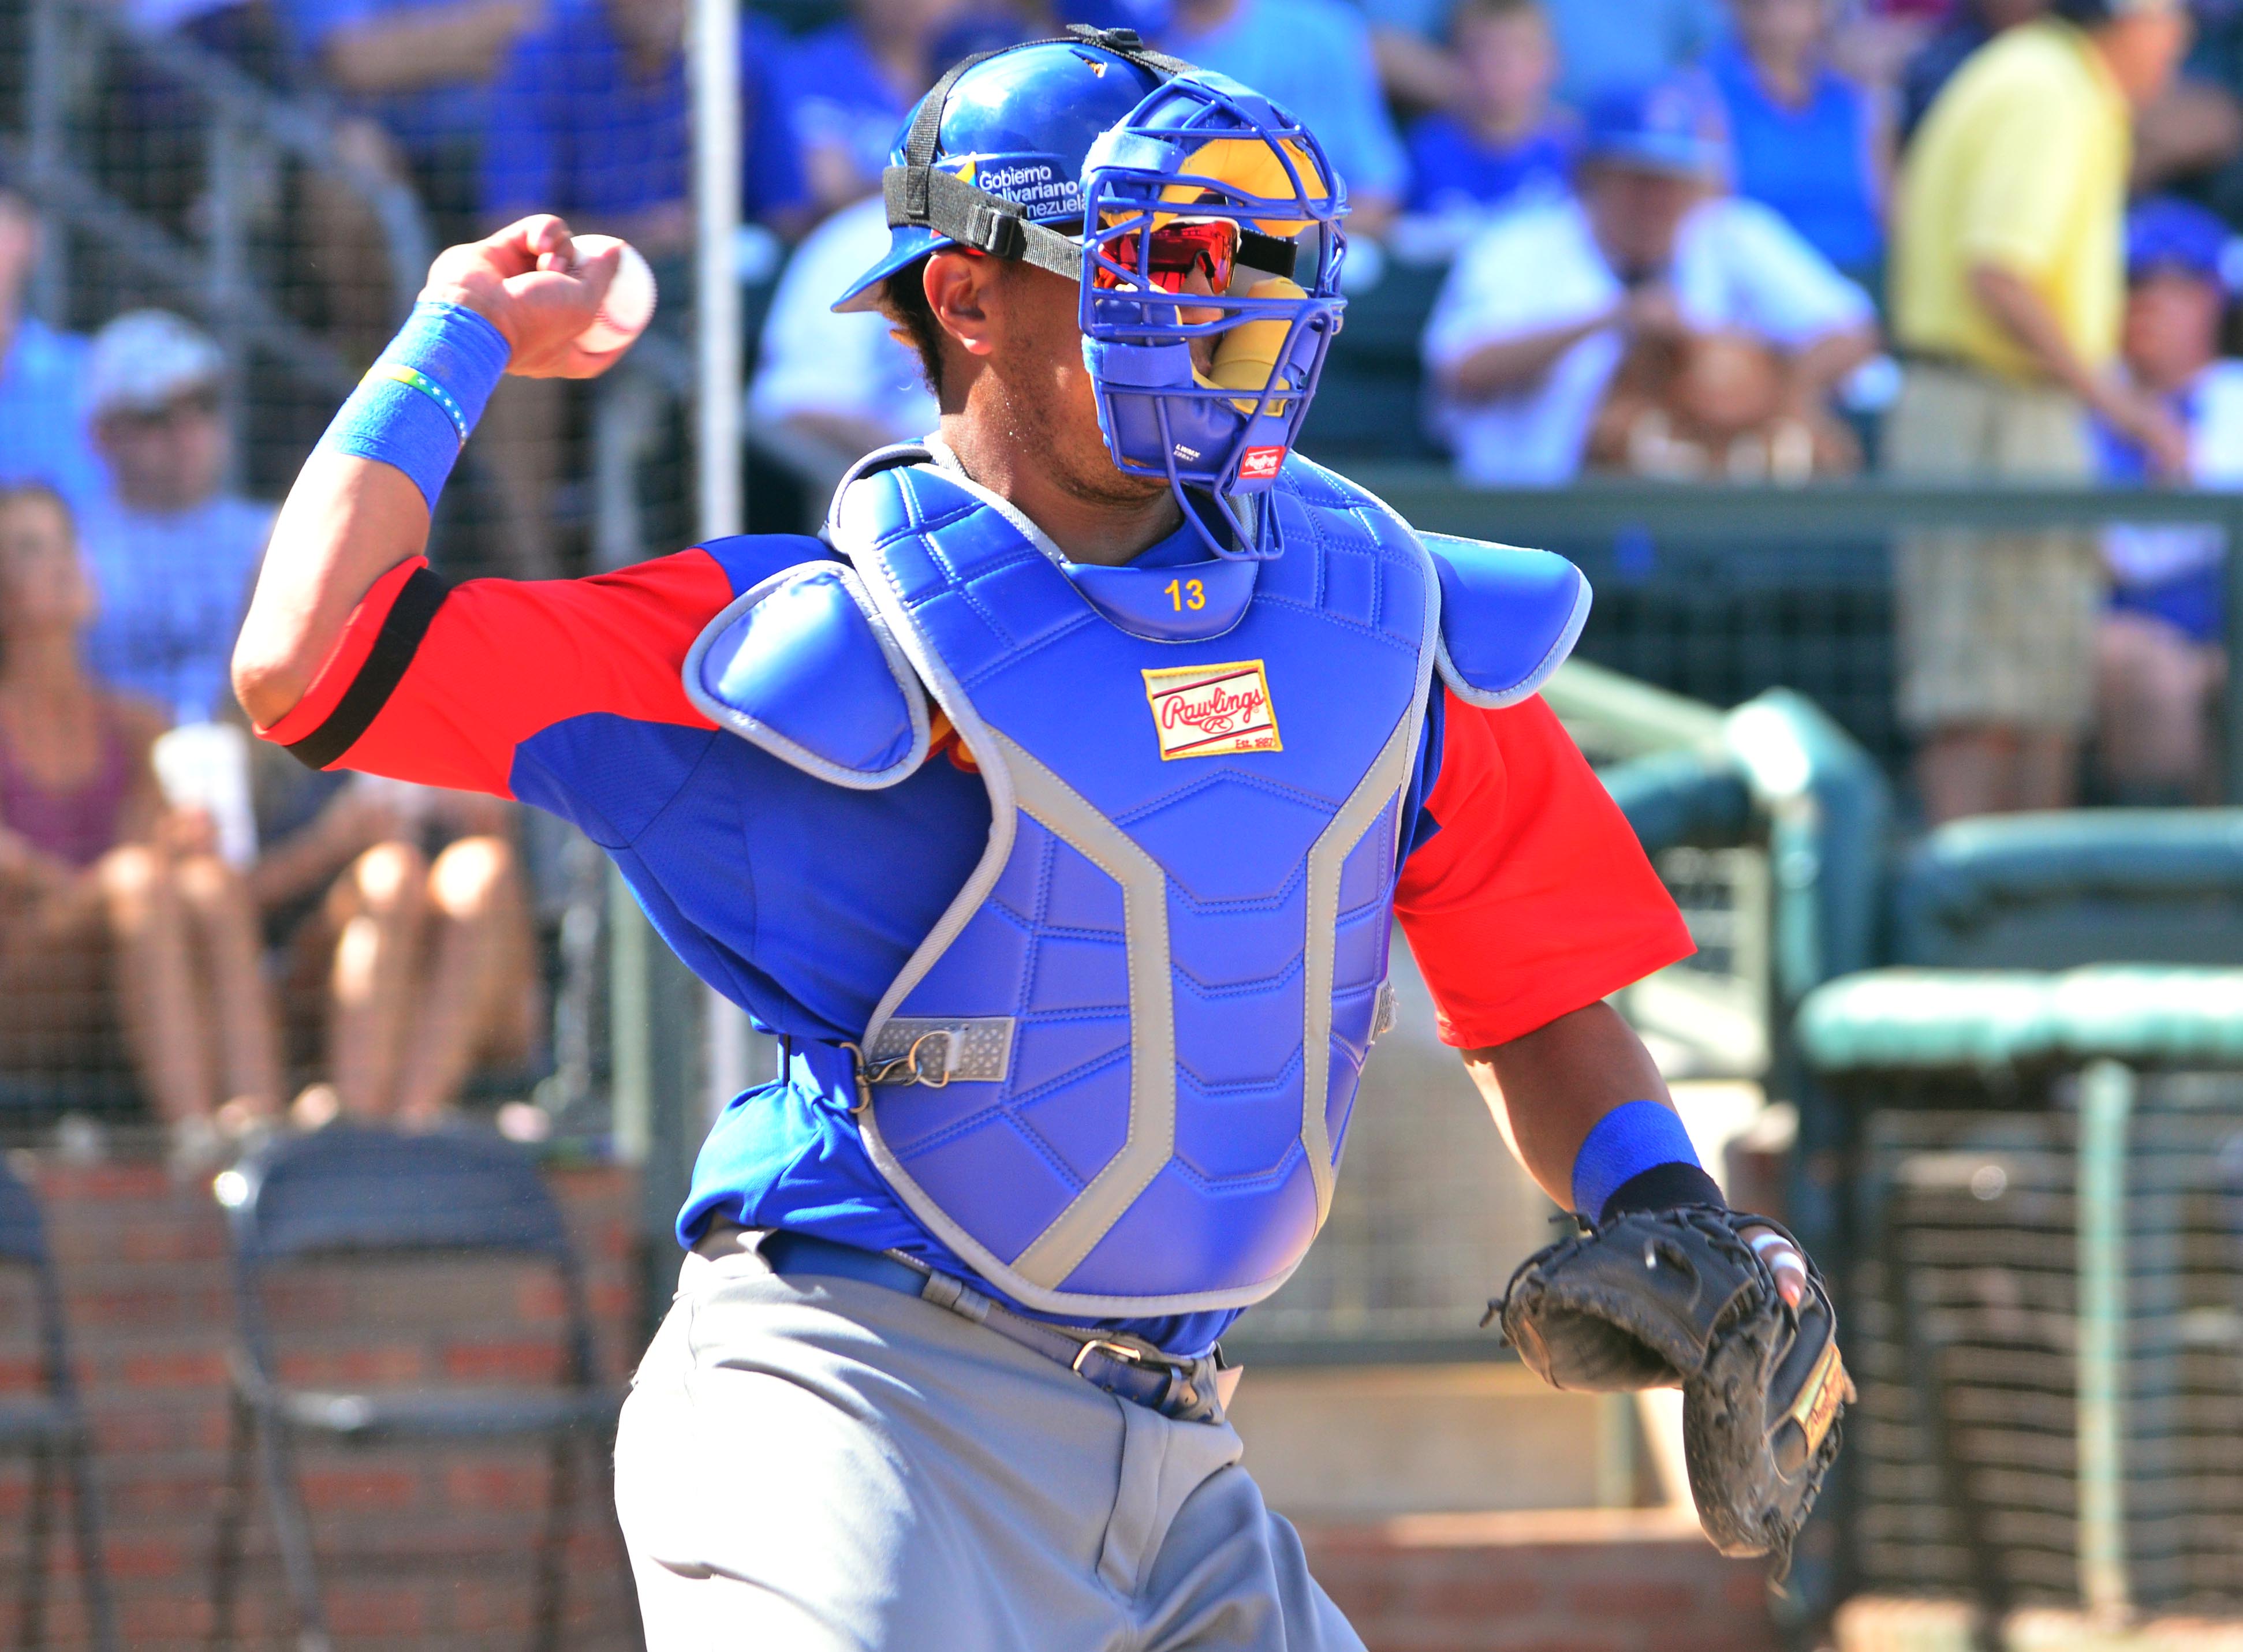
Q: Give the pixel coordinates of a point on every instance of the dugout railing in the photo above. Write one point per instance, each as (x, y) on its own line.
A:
(1721, 591)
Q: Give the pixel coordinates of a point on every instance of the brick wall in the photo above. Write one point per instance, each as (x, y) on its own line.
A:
(1567, 1580)
(429, 1549)
(422, 1548)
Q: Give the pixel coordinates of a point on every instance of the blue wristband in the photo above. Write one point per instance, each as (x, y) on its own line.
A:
(1633, 1138)
(417, 404)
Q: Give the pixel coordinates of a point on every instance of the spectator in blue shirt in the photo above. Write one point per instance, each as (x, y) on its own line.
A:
(172, 551)
(422, 70)
(591, 119)
(1611, 47)
(1806, 141)
(1502, 139)
(2160, 651)
(1410, 39)
(42, 435)
(847, 89)
(1314, 58)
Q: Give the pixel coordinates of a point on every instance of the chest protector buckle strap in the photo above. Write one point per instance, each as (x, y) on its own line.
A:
(1117, 1075)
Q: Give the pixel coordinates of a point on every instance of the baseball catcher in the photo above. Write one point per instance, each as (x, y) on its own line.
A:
(1053, 807)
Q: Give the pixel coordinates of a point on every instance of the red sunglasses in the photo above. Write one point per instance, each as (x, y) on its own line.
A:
(1210, 244)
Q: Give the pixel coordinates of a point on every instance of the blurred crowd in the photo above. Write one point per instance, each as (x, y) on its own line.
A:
(1975, 243)
(1731, 239)
(252, 938)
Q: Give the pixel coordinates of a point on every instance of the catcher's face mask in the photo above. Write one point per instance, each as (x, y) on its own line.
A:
(1210, 216)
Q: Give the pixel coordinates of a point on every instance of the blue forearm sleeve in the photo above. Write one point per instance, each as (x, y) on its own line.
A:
(417, 404)
(1633, 1138)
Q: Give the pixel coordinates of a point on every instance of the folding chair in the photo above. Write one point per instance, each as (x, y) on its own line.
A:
(359, 1193)
(48, 1427)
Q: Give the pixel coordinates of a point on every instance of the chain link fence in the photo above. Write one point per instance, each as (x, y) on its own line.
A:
(211, 216)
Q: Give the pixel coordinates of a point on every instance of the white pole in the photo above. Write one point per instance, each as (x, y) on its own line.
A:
(715, 51)
(2107, 1100)
(716, 174)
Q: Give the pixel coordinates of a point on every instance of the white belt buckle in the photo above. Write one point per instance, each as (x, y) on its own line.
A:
(1121, 1351)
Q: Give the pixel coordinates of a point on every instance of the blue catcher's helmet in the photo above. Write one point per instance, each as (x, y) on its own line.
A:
(1013, 155)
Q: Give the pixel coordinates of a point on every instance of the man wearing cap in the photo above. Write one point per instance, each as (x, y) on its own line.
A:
(173, 551)
(2160, 648)
(2007, 279)
(1539, 310)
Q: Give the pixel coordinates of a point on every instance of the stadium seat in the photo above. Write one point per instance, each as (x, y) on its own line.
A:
(359, 1193)
(2050, 891)
(48, 1428)
(1996, 922)
(1898, 1020)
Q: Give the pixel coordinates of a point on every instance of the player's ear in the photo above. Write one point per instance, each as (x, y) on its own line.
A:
(958, 289)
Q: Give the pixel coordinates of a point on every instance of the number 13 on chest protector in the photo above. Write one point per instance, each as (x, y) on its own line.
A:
(1212, 711)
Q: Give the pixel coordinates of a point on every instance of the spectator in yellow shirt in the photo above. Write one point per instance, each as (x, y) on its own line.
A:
(2008, 281)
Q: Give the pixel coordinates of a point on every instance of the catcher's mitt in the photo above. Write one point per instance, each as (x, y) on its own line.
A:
(1660, 1298)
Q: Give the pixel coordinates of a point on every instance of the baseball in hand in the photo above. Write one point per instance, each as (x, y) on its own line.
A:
(629, 302)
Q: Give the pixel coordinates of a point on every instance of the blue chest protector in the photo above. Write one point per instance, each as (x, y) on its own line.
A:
(1117, 1075)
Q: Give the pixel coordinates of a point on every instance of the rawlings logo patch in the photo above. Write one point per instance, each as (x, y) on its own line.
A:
(1817, 1405)
(1259, 464)
(1212, 711)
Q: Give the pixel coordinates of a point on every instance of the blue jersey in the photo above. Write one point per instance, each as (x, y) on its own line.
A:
(1523, 894)
(1452, 168)
(579, 127)
(1814, 163)
(43, 424)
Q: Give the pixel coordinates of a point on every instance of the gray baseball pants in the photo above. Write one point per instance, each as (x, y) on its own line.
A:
(817, 1465)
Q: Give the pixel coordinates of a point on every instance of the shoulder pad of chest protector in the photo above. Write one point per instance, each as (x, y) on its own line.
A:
(1509, 617)
(803, 666)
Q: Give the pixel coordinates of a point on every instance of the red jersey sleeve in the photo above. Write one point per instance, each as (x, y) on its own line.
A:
(440, 684)
(1533, 899)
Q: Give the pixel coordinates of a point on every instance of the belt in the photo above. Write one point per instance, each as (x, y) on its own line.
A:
(1128, 1367)
(1946, 358)
(1946, 361)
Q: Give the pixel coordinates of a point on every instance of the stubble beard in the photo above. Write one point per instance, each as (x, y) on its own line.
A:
(1045, 421)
